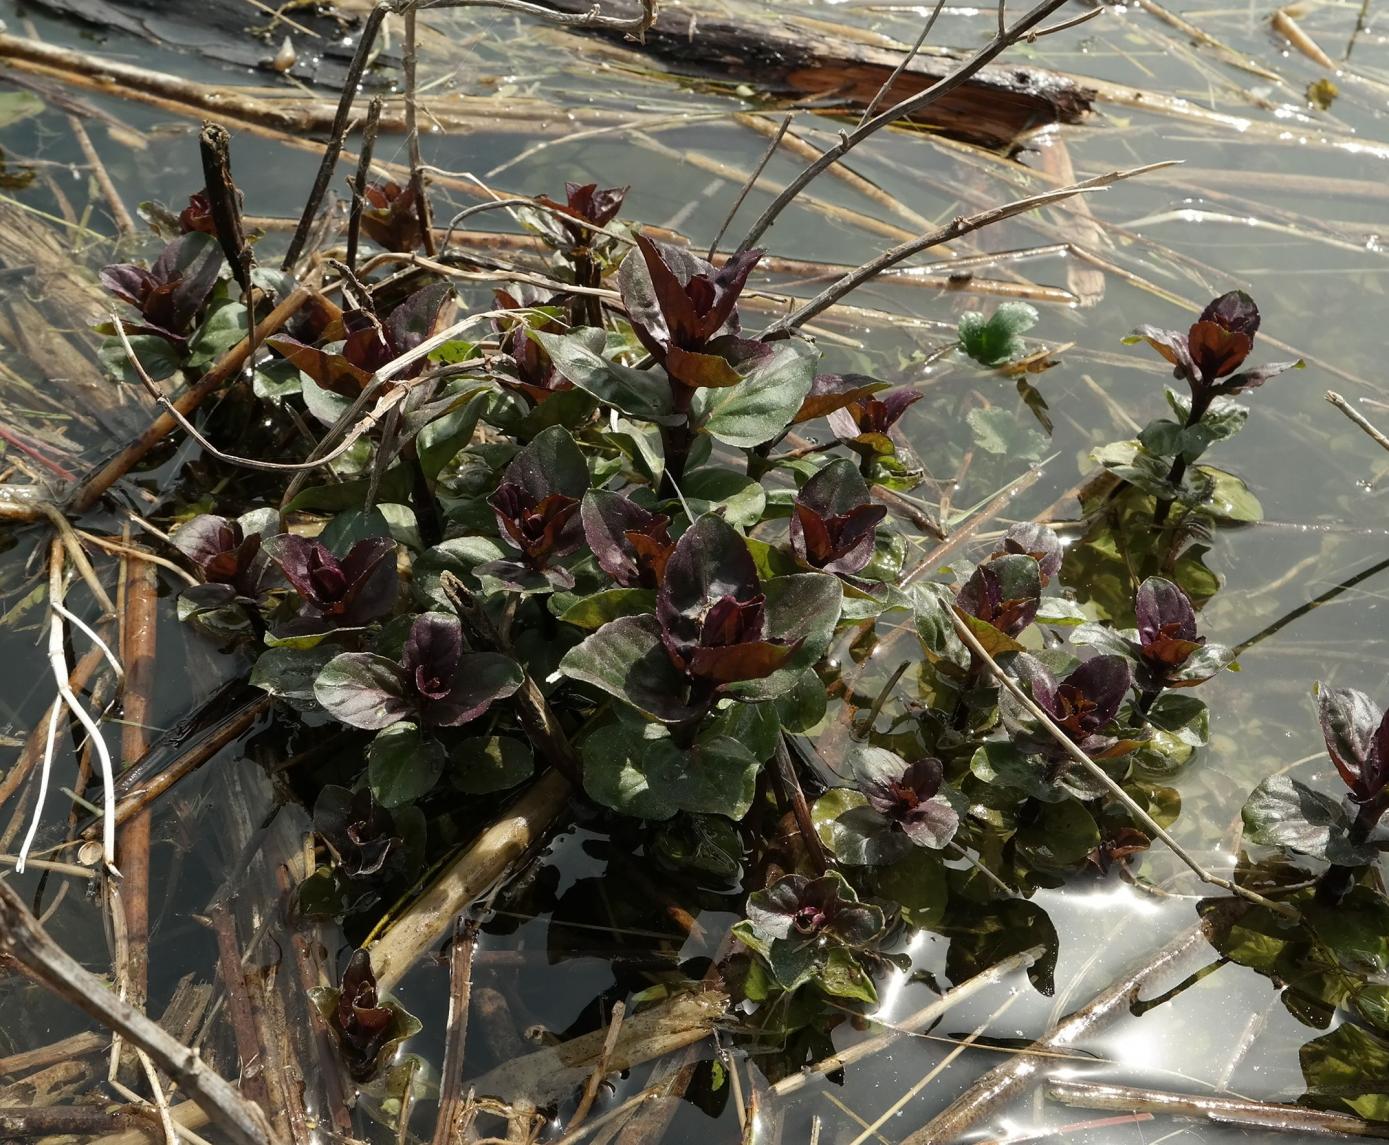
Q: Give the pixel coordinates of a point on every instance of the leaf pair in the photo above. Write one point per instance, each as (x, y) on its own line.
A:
(435, 683)
(716, 630)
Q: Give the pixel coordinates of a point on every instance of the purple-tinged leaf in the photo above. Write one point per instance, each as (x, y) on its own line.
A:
(906, 794)
(364, 690)
(626, 659)
(1004, 593)
(1257, 376)
(223, 553)
(630, 544)
(1352, 725)
(710, 562)
(389, 216)
(358, 830)
(482, 678)
(362, 588)
(1233, 311)
(1166, 624)
(431, 654)
(829, 392)
(418, 318)
(676, 299)
(833, 524)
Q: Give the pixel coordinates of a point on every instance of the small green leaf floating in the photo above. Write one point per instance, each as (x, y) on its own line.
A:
(997, 339)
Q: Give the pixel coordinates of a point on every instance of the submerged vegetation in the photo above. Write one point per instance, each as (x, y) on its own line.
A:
(500, 549)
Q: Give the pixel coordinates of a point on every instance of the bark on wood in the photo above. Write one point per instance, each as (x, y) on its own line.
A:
(801, 60)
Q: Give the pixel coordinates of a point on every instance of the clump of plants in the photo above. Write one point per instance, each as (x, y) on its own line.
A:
(601, 518)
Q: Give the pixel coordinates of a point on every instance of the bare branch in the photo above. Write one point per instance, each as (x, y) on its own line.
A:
(849, 140)
(961, 225)
(752, 179)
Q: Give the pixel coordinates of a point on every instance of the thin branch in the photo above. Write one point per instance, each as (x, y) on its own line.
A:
(1065, 742)
(888, 83)
(961, 225)
(1074, 21)
(368, 419)
(849, 140)
(365, 43)
(456, 1031)
(1010, 1080)
(913, 1024)
(1222, 1110)
(412, 131)
(752, 179)
(1358, 418)
(95, 484)
(359, 181)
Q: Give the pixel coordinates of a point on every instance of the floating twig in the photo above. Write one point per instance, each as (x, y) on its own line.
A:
(961, 225)
(1209, 1107)
(928, 1015)
(24, 940)
(1358, 418)
(92, 487)
(1009, 1080)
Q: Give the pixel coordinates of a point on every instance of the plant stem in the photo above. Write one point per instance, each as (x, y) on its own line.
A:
(1199, 406)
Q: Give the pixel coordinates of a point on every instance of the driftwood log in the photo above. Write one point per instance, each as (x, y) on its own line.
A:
(801, 59)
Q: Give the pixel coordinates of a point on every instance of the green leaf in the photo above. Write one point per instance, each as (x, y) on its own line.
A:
(999, 431)
(934, 605)
(458, 556)
(1060, 838)
(594, 611)
(842, 976)
(803, 706)
(351, 526)
(626, 659)
(917, 884)
(219, 332)
(708, 844)
(997, 340)
(1229, 498)
(440, 441)
(741, 499)
(980, 939)
(1281, 812)
(1348, 1067)
(1001, 762)
(1186, 717)
(653, 778)
(17, 105)
(854, 833)
(803, 607)
(289, 673)
(578, 357)
(403, 764)
(158, 356)
(482, 764)
(759, 407)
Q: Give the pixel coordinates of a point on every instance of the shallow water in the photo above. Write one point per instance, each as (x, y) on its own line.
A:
(1308, 248)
